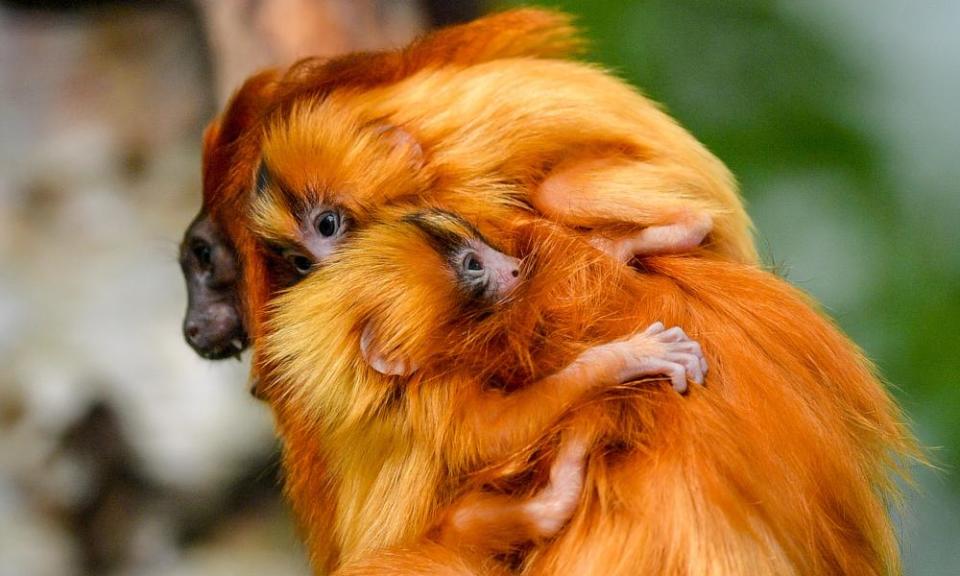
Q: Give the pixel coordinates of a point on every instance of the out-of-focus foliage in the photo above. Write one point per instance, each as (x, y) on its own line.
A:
(836, 120)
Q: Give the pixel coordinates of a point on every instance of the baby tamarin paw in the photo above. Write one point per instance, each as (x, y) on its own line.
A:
(482, 523)
(684, 235)
(551, 508)
(657, 351)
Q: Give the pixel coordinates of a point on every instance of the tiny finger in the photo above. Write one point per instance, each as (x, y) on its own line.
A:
(687, 346)
(675, 334)
(678, 376)
(654, 328)
(689, 362)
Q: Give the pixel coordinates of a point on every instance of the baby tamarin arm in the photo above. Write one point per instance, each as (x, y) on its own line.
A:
(501, 423)
(597, 192)
(481, 523)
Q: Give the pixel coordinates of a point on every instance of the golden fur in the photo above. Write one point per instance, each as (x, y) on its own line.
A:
(587, 149)
(780, 465)
(231, 147)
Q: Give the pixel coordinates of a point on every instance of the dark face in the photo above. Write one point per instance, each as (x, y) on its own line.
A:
(213, 325)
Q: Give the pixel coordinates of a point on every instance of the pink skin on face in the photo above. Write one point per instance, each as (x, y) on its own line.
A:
(504, 270)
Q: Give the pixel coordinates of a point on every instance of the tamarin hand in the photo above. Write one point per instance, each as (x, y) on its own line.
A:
(551, 508)
(657, 351)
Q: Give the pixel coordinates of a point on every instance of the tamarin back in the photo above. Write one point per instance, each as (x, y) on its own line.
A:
(524, 32)
(570, 141)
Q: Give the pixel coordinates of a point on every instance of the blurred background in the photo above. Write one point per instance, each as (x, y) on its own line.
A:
(123, 453)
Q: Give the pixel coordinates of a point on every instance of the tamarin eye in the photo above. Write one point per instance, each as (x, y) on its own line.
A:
(327, 223)
(301, 263)
(202, 252)
(472, 263)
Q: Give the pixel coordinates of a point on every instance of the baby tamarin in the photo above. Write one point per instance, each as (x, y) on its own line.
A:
(437, 266)
(229, 278)
(782, 465)
(438, 256)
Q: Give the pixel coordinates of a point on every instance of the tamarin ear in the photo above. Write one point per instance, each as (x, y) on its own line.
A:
(210, 135)
(402, 141)
(378, 360)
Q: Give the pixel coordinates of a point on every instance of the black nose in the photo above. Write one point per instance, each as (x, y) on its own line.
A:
(214, 329)
(193, 334)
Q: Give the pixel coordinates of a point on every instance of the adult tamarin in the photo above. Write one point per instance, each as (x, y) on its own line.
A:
(228, 277)
(781, 465)
(398, 132)
(563, 137)
(638, 162)
(587, 149)
(219, 254)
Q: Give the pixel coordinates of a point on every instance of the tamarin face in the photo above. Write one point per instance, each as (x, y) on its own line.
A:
(323, 172)
(480, 273)
(213, 324)
(313, 224)
(216, 247)
(449, 265)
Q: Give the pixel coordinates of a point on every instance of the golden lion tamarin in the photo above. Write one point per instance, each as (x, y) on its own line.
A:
(473, 280)
(680, 509)
(218, 254)
(780, 465)
(229, 275)
(586, 149)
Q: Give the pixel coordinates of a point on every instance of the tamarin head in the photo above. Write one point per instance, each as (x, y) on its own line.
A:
(213, 324)
(323, 171)
(480, 274)
(447, 298)
(217, 243)
(438, 256)
(403, 289)
(229, 275)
